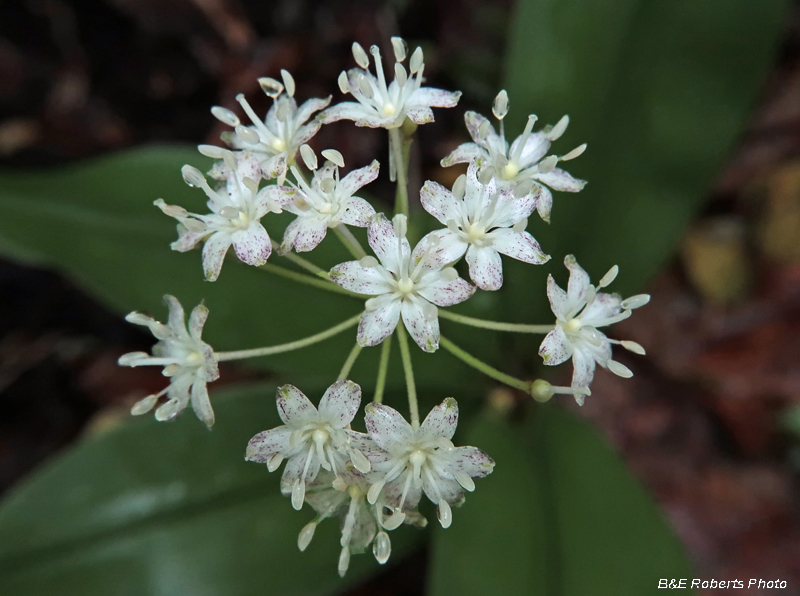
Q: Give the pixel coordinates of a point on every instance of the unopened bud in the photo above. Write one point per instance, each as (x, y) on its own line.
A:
(541, 390)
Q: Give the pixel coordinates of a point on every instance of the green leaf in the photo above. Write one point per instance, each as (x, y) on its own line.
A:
(153, 509)
(659, 91)
(560, 515)
(96, 222)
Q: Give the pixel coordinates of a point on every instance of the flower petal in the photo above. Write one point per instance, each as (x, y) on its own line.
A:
(307, 232)
(274, 197)
(558, 179)
(430, 97)
(294, 407)
(583, 369)
(544, 202)
(472, 461)
(556, 347)
(535, 149)
(443, 489)
(214, 254)
(485, 267)
(439, 202)
(449, 249)
(446, 293)
(267, 443)
(340, 403)
(518, 245)
(201, 404)
(577, 286)
(387, 426)
(474, 120)
(356, 212)
(423, 329)
(464, 154)
(441, 421)
(376, 325)
(362, 280)
(385, 244)
(350, 110)
(305, 133)
(252, 245)
(196, 321)
(356, 179)
(559, 302)
(315, 104)
(419, 115)
(176, 320)
(274, 166)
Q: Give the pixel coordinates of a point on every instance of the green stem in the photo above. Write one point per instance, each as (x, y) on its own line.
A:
(408, 369)
(307, 280)
(294, 345)
(401, 170)
(489, 371)
(495, 325)
(351, 360)
(350, 242)
(301, 262)
(383, 367)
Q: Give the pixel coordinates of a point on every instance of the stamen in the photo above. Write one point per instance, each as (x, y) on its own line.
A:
(523, 189)
(619, 369)
(548, 164)
(635, 302)
(460, 187)
(523, 140)
(360, 461)
(309, 157)
(224, 115)
(211, 151)
(577, 152)
(270, 86)
(484, 129)
(632, 346)
(298, 494)
(400, 223)
(360, 55)
(365, 87)
(400, 74)
(400, 48)
(374, 491)
(229, 212)
(444, 513)
(417, 61)
(558, 129)
(486, 174)
(192, 176)
(344, 83)
(248, 135)
(500, 105)
(520, 226)
(609, 277)
(334, 156)
(344, 560)
(274, 462)
(464, 480)
(306, 534)
(449, 274)
(376, 55)
(284, 110)
(288, 81)
(382, 547)
(368, 262)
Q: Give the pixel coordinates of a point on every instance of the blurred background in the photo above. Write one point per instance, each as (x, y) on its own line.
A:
(710, 423)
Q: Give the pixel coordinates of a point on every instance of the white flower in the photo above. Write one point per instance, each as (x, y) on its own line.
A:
(403, 283)
(324, 203)
(579, 312)
(362, 523)
(380, 105)
(268, 146)
(236, 219)
(423, 459)
(523, 165)
(310, 438)
(483, 222)
(187, 360)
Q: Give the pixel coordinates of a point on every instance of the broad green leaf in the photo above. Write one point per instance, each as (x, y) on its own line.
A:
(96, 222)
(659, 91)
(171, 509)
(560, 515)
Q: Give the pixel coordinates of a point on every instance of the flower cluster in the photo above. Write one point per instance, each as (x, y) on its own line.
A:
(374, 480)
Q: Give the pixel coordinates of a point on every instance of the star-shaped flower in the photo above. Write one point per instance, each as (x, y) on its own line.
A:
(483, 222)
(423, 459)
(310, 439)
(522, 166)
(579, 312)
(268, 146)
(235, 219)
(379, 105)
(187, 360)
(325, 202)
(363, 523)
(403, 283)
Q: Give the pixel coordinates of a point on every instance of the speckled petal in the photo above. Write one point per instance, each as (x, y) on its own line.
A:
(273, 196)
(555, 348)
(436, 98)
(464, 154)
(308, 233)
(544, 202)
(441, 421)
(196, 321)
(177, 317)
(214, 254)
(578, 284)
(385, 244)
(485, 267)
(357, 212)
(583, 369)
(420, 115)
(376, 325)
(294, 407)
(559, 302)
(363, 280)
(315, 104)
(449, 249)
(357, 179)
(387, 426)
(535, 149)
(518, 245)
(273, 167)
(439, 202)
(558, 179)
(474, 120)
(472, 461)
(267, 443)
(350, 110)
(447, 293)
(447, 489)
(423, 330)
(252, 245)
(201, 404)
(340, 403)
(604, 306)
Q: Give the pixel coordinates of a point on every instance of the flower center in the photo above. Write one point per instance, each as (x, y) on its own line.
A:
(417, 458)
(388, 109)
(278, 144)
(326, 208)
(405, 286)
(320, 436)
(510, 170)
(573, 326)
(193, 359)
(475, 232)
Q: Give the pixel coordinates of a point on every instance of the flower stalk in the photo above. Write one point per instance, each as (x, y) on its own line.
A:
(495, 325)
(408, 370)
(486, 369)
